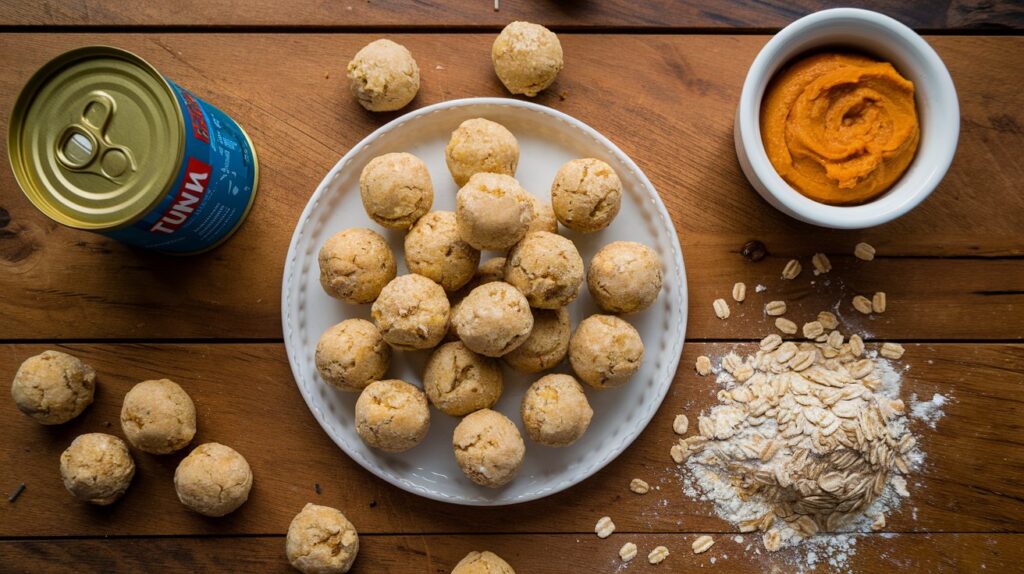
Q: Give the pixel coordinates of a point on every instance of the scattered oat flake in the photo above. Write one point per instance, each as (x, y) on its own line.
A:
(813, 329)
(639, 486)
(658, 555)
(702, 544)
(678, 453)
(739, 292)
(775, 308)
(703, 365)
(792, 269)
(681, 424)
(828, 320)
(862, 304)
(821, 263)
(864, 251)
(604, 527)
(721, 308)
(891, 350)
(878, 302)
(785, 325)
(627, 552)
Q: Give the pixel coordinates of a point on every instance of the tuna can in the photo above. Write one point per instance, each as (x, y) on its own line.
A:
(100, 141)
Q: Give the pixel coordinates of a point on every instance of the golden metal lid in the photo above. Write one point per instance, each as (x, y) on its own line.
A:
(96, 138)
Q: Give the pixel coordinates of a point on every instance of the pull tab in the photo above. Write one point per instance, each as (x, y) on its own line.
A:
(85, 141)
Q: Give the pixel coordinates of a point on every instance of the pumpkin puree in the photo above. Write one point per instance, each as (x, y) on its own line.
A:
(840, 128)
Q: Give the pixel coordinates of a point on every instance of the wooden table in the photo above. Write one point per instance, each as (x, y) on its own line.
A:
(662, 80)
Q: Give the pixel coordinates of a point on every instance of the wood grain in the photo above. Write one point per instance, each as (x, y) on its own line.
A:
(246, 399)
(528, 553)
(475, 14)
(673, 115)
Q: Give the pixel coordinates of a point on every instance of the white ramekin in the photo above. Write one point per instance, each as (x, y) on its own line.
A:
(874, 34)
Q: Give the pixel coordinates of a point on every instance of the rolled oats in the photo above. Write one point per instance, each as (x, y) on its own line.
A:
(891, 350)
(862, 304)
(813, 329)
(792, 269)
(639, 486)
(604, 527)
(627, 552)
(821, 263)
(681, 424)
(703, 365)
(878, 302)
(702, 544)
(864, 251)
(856, 345)
(879, 522)
(771, 342)
(835, 340)
(785, 325)
(739, 292)
(658, 555)
(721, 308)
(828, 320)
(772, 540)
(679, 453)
(775, 308)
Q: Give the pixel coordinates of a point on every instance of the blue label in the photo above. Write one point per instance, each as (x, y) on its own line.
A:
(212, 191)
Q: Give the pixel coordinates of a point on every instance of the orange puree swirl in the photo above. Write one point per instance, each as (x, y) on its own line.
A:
(840, 128)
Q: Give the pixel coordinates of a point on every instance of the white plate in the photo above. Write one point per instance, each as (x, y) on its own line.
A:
(547, 139)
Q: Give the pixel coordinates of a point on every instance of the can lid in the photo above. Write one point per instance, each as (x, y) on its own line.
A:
(96, 138)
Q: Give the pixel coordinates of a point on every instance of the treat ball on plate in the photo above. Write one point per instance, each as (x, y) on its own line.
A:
(321, 540)
(482, 563)
(392, 415)
(481, 146)
(53, 387)
(586, 195)
(355, 264)
(488, 448)
(555, 410)
(527, 57)
(543, 217)
(158, 417)
(547, 344)
(605, 351)
(624, 277)
(396, 190)
(458, 381)
(411, 312)
(546, 268)
(384, 76)
(213, 480)
(493, 211)
(434, 250)
(493, 319)
(97, 468)
(352, 354)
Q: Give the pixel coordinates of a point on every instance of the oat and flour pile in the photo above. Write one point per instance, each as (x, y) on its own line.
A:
(806, 437)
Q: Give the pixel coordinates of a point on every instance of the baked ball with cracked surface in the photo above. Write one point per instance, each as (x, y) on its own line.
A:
(158, 417)
(411, 312)
(488, 448)
(458, 381)
(586, 195)
(321, 540)
(392, 415)
(493, 319)
(53, 387)
(479, 145)
(493, 211)
(97, 468)
(396, 190)
(352, 354)
(355, 264)
(543, 216)
(527, 57)
(556, 411)
(482, 563)
(547, 344)
(434, 250)
(383, 76)
(624, 277)
(546, 268)
(213, 480)
(605, 351)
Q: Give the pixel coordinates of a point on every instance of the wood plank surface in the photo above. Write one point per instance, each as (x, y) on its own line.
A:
(575, 14)
(528, 554)
(673, 115)
(246, 399)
